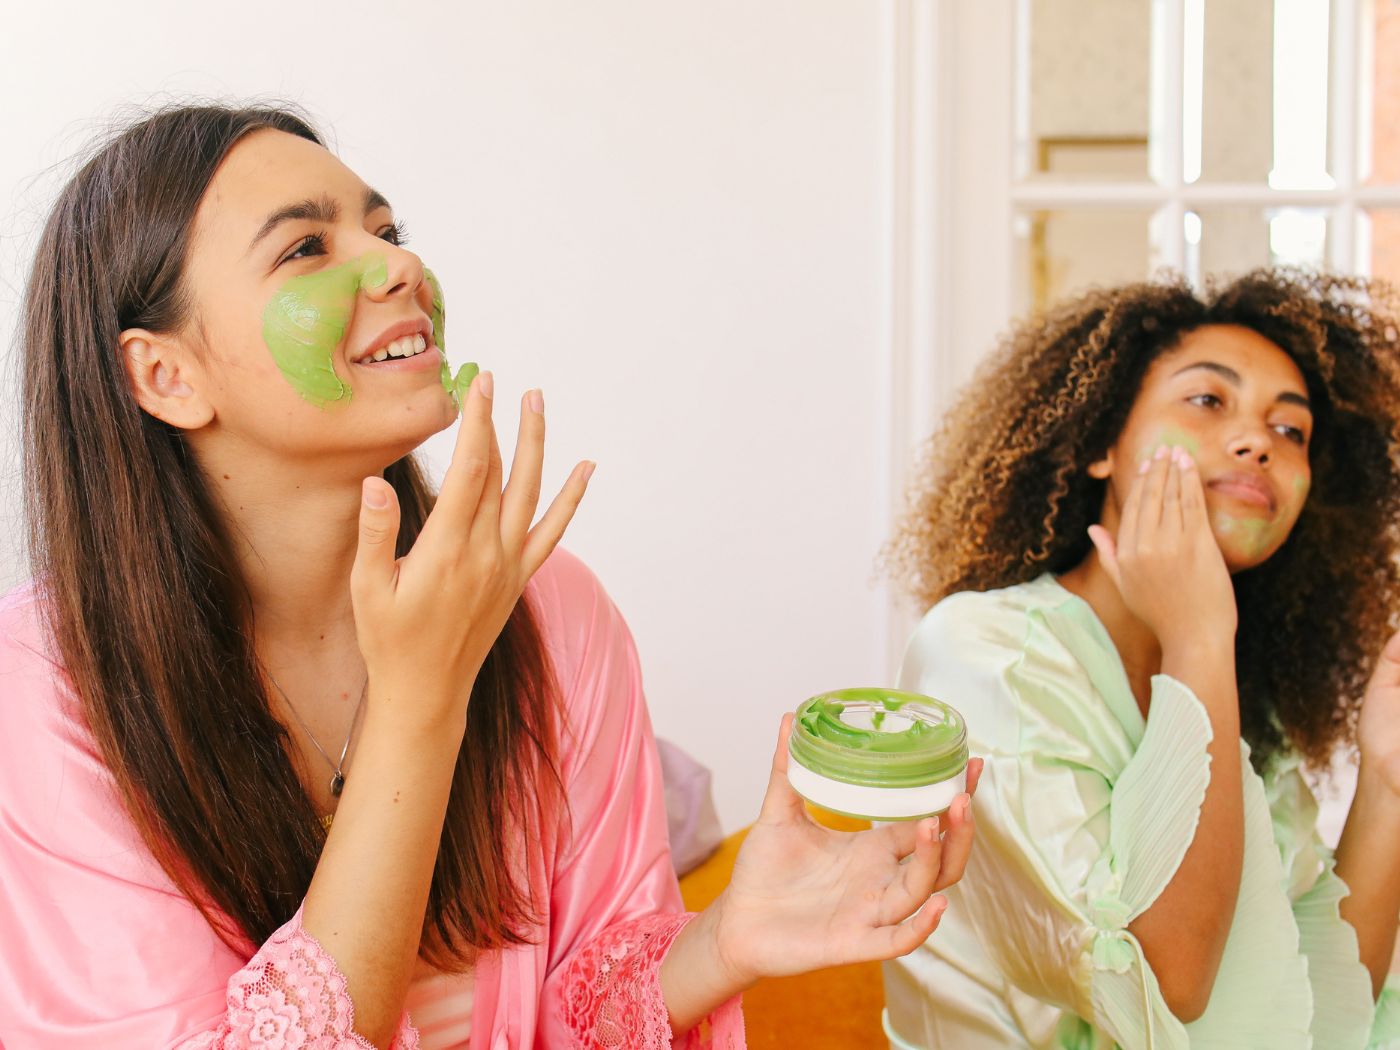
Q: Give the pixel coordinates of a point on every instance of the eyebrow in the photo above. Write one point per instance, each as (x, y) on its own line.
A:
(1227, 373)
(322, 209)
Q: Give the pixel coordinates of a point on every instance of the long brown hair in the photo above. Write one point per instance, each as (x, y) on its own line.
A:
(147, 608)
(1004, 494)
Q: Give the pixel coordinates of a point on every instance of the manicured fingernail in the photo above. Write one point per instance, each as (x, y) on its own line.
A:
(534, 400)
(588, 469)
(375, 497)
(485, 384)
(1144, 466)
(1161, 452)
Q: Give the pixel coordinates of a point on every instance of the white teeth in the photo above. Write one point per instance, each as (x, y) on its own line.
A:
(404, 347)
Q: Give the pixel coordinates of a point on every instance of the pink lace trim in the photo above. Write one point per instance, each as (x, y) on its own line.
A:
(291, 996)
(612, 997)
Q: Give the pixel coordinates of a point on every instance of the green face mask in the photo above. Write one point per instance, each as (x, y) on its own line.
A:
(306, 321)
(459, 385)
(307, 318)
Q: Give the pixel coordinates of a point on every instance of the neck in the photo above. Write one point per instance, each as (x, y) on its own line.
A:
(294, 533)
(1136, 642)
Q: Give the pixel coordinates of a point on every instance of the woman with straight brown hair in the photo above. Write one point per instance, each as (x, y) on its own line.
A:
(294, 753)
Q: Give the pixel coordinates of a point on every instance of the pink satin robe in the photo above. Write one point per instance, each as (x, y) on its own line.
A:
(99, 950)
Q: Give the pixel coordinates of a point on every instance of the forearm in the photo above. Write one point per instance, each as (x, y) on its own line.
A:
(1183, 933)
(695, 978)
(370, 890)
(1368, 861)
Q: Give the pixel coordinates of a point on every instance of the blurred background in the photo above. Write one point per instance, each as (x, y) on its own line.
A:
(749, 250)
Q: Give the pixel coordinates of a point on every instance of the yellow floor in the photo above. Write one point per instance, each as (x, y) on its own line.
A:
(835, 1009)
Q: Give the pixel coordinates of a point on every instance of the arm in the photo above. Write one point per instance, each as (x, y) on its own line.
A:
(1183, 933)
(1169, 570)
(101, 948)
(622, 956)
(474, 556)
(1368, 855)
(803, 897)
(615, 906)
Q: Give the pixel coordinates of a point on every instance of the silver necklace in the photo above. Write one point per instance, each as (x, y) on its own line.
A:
(337, 768)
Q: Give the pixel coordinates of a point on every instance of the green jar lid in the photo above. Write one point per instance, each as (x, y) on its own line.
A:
(879, 738)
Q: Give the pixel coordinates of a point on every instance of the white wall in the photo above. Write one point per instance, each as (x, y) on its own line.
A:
(670, 215)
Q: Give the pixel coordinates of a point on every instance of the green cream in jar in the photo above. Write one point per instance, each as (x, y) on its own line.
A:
(878, 754)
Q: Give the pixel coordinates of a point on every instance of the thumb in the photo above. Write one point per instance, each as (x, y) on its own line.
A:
(379, 530)
(1108, 552)
(780, 802)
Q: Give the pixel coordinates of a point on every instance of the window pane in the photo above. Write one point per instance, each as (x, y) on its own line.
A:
(1086, 93)
(1261, 66)
(1233, 240)
(1380, 147)
(1380, 242)
(1059, 253)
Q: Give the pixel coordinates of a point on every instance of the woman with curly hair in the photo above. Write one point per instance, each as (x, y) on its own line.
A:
(1159, 535)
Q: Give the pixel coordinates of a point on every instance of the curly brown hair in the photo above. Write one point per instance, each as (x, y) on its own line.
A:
(1004, 495)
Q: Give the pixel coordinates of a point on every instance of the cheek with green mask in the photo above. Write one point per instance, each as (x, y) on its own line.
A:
(307, 318)
(458, 385)
(306, 321)
(1170, 437)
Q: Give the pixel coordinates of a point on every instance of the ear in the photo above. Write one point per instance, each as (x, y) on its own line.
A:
(1102, 469)
(160, 371)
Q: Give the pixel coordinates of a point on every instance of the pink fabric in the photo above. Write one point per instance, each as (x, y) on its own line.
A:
(290, 996)
(98, 949)
(441, 1007)
(611, 1004)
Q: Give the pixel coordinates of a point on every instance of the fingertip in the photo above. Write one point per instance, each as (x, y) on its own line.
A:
(485, 385)
(375, 492)
(588, 468)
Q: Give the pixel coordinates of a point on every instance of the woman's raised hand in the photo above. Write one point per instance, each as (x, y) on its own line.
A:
(804, 896)
(426, 621)
(1165, 559)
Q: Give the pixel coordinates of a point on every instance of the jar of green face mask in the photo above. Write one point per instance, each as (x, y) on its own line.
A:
(878, 754)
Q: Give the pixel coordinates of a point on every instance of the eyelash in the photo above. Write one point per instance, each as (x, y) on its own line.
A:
(396, 233)
(1293, 434)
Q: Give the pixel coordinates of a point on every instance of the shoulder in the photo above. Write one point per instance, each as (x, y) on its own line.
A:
(36, 699)
(575, 614)
(594, 657)
(56, 791)
(978, 626)
(994, 657)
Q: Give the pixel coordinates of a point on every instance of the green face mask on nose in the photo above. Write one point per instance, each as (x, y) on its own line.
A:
(307, 318)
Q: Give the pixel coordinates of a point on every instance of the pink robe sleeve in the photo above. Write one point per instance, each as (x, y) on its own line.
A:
(98, 949)
(615, 905)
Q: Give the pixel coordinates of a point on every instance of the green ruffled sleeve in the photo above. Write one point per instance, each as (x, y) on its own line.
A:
(1385, 1030)
(1344, 1014)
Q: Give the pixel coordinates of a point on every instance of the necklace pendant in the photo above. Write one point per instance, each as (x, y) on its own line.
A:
(337, 783)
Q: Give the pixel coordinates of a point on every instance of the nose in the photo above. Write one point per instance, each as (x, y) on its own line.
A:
(1253, 444)
(404, 272)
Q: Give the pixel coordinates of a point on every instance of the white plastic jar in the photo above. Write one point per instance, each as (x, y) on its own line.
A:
(878, 754)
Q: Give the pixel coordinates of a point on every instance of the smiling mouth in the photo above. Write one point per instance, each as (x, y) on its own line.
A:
(399, 349)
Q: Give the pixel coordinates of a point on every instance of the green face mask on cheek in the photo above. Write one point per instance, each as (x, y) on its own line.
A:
(306, 321)
(459, 385)
(307, 318)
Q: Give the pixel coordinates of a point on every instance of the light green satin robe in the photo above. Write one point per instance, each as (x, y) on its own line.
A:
(1084, 813)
